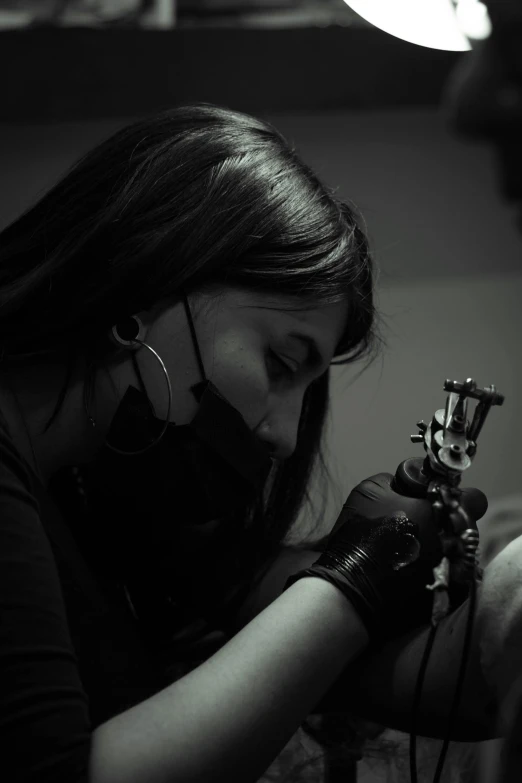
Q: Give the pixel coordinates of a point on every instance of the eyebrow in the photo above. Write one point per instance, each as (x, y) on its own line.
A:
(314, 358)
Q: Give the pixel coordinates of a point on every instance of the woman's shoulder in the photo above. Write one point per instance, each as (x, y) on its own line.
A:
(36, 641)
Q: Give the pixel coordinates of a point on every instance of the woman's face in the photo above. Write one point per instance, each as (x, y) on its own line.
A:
(253, 349)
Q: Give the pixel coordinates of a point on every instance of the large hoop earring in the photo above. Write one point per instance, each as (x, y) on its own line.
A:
(126, 333)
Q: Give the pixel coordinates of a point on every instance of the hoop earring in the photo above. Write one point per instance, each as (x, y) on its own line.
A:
(126, 333)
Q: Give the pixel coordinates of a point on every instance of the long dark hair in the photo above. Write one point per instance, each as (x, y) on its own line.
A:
(194, 196)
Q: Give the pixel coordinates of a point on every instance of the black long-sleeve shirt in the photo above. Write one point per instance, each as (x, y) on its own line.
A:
(45, 726)
(72, 653)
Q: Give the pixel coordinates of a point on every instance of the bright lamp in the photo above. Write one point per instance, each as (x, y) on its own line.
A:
(437, 24)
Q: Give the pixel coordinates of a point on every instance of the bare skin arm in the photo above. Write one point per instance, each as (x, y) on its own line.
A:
(499, 625)
(380, 685)
(230, 717)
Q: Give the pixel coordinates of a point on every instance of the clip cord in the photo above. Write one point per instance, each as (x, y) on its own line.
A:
(460, 679)
(458, 688)
(487, 397)
(416, 702)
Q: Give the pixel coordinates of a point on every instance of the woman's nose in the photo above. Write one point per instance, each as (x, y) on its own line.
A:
(279, 434)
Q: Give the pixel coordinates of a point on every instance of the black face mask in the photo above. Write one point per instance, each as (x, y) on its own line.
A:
(169, 521)
(209, 468)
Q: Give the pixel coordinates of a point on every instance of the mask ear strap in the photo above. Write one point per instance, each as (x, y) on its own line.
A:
(138, 373)
(194, 338)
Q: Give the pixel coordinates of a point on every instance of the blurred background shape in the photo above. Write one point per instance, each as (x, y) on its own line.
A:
(276, 56)
(171, 13)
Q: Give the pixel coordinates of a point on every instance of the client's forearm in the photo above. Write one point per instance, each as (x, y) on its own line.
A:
(499, 623)
(380, 686)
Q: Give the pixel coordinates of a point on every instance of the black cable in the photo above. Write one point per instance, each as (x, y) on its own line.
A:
(460, 678)
(416, 702)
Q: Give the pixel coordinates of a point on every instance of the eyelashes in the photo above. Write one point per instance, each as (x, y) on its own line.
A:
(284, 368)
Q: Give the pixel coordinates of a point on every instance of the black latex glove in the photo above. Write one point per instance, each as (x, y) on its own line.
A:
(374, 498)
(363, 558)
(367, 545)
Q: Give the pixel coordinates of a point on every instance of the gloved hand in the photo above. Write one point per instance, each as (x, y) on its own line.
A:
(382, 559)
(375, 497)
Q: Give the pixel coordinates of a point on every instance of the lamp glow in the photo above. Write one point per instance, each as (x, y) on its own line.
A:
(473, 18)
(431, 23)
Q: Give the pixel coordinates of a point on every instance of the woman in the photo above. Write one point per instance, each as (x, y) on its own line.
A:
(168, 312)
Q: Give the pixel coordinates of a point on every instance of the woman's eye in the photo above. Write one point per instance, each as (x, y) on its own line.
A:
(284, 368)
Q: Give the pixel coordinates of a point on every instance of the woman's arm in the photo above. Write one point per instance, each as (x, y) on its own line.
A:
(232, 715)
(380, 686)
